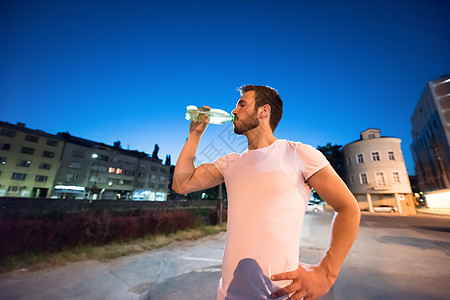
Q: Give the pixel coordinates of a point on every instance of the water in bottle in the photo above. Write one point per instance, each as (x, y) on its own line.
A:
(216, 116)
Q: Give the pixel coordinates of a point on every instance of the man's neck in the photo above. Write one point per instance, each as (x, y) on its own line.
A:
(259, 139)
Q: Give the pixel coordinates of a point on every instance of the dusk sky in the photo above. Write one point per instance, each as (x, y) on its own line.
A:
(126, 70)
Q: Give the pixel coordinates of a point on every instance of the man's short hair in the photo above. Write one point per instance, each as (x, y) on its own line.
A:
(266, 95)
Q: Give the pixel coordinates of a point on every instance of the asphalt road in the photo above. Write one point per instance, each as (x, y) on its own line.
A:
(393, 258)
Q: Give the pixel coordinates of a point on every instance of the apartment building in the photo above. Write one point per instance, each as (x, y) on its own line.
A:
(99, 171)
(431, 136)
(29, 160)
(34, 163)
(376, 174)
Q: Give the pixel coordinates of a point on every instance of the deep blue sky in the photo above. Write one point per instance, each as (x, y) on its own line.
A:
(125, 70)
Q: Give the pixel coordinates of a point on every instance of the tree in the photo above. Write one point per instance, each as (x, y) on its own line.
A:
(155, 152)
(334, 155)
(168, 160)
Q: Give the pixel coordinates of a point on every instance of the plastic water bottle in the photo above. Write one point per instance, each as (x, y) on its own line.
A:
(216, 116)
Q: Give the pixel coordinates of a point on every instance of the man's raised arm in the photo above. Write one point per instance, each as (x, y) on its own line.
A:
(187, 178)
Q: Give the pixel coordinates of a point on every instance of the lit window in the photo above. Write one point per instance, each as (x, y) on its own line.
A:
(117, 171)
(360, 158)
(375, 156)
(23, 163)
(391, 155)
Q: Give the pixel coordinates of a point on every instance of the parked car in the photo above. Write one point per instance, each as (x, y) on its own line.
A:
(385, 208)
(314, 207)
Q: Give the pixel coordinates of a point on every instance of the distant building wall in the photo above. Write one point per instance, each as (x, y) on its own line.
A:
(431, 136)
(376, 174)
(29, 160)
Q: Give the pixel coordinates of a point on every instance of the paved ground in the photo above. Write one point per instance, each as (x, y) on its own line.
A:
(393, 258)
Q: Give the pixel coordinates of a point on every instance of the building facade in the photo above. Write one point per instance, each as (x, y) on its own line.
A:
(99, 171)
(431, 136)
(29, 161)
(37, 164)
(376, 174)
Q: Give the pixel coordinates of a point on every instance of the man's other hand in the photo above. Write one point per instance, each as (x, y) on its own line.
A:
(308, 282)
(198, 128)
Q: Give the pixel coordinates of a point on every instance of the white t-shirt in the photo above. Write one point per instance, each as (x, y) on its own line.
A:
(267, 199)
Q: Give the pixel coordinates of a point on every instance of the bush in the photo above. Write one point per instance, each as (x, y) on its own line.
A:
(39, 235)
(213, 215)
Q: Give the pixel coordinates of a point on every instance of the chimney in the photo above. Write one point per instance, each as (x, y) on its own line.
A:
(117, 145)
(20, 124)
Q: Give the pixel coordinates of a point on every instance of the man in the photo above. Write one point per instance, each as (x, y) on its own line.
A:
(268, 188)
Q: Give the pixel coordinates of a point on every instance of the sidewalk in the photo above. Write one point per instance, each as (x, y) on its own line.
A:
(433, 211)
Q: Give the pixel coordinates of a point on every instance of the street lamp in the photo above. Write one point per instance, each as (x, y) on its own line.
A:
(94, 188)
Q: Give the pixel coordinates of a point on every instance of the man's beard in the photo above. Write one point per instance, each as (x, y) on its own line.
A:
(252, 123)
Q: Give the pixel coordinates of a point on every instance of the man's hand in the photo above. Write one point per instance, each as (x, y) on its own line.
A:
(198, 128)
(309, 282)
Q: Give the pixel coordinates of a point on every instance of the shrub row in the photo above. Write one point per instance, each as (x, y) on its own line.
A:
(38, 235)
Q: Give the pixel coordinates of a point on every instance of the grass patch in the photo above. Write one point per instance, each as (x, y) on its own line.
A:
(35, 262)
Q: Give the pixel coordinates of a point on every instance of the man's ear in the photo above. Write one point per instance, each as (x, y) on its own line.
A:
(264, 111)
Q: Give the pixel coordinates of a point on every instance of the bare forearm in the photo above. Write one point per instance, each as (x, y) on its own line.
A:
(343, 233)
(185, 164)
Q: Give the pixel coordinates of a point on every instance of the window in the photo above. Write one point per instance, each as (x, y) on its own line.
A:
(48, 154)
(2, 160)
(40, 178)
(5, 146)
(52, 143)
(27, 150)
(45, 166)
(153, 168)
(130, 163)
(349, 160)
(162, 178)
(16, 189)
(396, 177)
(70, 177)
(23, 163)
(380, 179)
(375, 156)
(78, 153)
(97, 179)
(153, 177)
(18, 176)
(116, 160)
(371, 136)
(75, 165)
(98, 168)
(31, 138)
(163, 170)
(8, 133)
(103, 157)
(129, 173)
(391, 155)
(115, 170)
(360, 158)
(352, 180)
(363, 178)
(141, 175)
